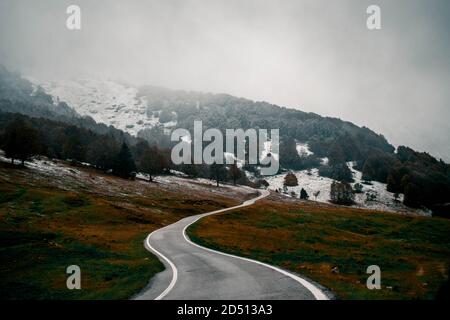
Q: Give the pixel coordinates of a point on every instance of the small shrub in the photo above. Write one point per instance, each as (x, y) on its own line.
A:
(290, 180)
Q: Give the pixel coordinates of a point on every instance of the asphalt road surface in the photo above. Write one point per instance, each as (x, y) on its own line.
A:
(194, 272)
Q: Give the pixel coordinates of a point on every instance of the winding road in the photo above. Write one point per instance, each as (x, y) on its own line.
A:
(194, 272)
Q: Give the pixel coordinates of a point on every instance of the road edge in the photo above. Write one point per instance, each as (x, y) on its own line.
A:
(318, 291)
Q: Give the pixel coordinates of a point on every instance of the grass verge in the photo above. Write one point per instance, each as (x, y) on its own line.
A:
(44, 228)
(335, 245)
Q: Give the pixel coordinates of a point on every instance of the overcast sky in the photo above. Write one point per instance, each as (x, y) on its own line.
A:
(311, 55)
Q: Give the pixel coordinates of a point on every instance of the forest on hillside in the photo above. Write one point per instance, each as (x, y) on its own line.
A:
(423, 179)
(64, 134)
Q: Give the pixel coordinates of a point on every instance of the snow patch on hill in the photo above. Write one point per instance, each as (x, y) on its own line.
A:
(318, 189)
(303, 149)
(62, 175)
(107, 102)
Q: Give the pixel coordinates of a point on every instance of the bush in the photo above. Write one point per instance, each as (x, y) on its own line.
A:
(358, 188)
(341, 193)
(290, 180)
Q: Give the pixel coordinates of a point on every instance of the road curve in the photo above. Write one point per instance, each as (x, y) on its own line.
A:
(194, 272)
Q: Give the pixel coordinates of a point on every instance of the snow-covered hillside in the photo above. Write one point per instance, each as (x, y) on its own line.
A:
(60, 174)
(373, 195)
(121, 106)
(106, 101)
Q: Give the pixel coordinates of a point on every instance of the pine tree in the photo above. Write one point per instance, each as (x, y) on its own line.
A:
(139, 150)
(217, 172)
(412, 196)
(337, 155)
(303, 194)
(20, 141)
(124, 164)
(73, 147)
(289, 157)
(102, 151)
(235, 173)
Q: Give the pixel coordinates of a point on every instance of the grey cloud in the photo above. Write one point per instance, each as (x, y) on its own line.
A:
(313, 55)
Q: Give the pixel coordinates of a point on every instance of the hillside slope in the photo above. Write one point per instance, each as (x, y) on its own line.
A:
(54, 215)
(133, 109)
(335, 245)
(151, 113)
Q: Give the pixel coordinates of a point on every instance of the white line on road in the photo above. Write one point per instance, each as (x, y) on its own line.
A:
(174, 269)
(317, 293)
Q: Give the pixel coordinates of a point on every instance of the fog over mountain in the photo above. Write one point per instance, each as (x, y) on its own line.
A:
(315, 56)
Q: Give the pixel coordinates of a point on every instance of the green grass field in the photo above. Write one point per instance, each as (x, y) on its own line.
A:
(311, 239)
(42, 233)
(44, 229)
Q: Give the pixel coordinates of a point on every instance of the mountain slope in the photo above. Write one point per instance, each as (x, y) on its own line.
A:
(54, 215)
(151, 113)
(19, 95)
(131, 110)
(105, 101)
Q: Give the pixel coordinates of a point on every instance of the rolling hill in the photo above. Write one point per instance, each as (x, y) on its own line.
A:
(131, 113)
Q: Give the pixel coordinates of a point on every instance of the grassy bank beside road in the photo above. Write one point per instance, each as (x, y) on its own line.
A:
(334, 245)
(59, 216)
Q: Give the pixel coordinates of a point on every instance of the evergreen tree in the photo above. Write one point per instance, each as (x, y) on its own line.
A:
(303, 194)
(235, 173)
(102, 151)
(139, 150)
(20, 141)
(73, 147)
(412, 195)
(289, 157)
(217, 172)
(124, 164)
(337, 155)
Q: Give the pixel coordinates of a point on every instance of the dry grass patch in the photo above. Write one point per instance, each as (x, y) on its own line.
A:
(49, 221)
(334, 245)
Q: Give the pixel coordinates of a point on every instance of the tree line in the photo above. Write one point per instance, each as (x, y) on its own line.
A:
(23, 137)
